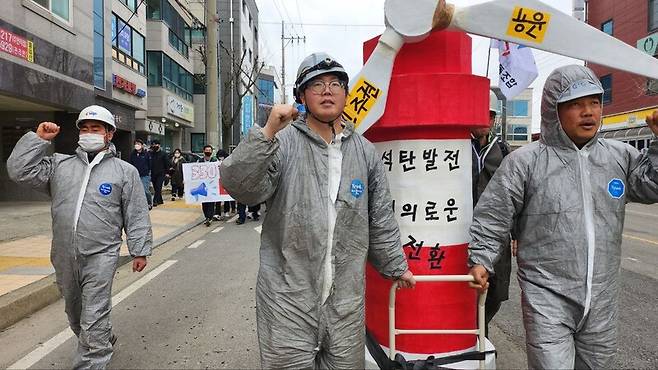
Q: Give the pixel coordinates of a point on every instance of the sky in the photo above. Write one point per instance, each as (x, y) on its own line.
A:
(339, 27)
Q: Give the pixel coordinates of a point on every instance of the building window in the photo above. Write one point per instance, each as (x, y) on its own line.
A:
(518, 108)
(653, 15)
(607, 27)
(518, 133)
(60, 8)
(180, 34)
(99, 45)
(164, 71)
(131, 4)
(199, 84)
(127, 45)
(606, 82)
(154, 9)
(197, 141)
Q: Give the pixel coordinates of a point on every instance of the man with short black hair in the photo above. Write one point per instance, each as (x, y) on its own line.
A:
(159, 167)
(208, 207)
(141, 159)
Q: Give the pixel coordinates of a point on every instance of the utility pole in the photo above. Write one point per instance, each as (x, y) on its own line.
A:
(212, 73)
(283, 57)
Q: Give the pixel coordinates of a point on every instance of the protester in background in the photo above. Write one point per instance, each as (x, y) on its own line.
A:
(96, 197)
(159, 166)
(229, 205)
(208, 207)
(488, 152)
(176, 174)
(141, 159)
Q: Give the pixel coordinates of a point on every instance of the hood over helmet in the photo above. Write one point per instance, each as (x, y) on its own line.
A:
(564, 84)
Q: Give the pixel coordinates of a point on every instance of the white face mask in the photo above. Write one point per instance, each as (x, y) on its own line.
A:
(91, 142)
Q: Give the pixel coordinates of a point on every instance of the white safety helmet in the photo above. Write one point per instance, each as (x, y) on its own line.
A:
(96, 113)
(493, 103)
(315, 65)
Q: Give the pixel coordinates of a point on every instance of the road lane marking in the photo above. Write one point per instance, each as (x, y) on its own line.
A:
(259, 229)
(632, 259)
(196, 244)
(217, 229)
(641, 213)
(640, 239)
(44, 349)
(233, 218)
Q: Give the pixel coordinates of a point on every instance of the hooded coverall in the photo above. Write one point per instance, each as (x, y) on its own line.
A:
(301, 323)
(91, 204)
(566, 206)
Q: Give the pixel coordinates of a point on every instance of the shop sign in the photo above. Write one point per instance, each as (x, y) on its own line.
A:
(127, 86)
(17, 46)
(648, 44)
(177, 108)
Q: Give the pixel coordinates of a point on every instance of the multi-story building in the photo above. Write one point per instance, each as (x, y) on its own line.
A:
(119, 67)
(266, 94)
(628, 98)
(170, 72)
(239, 65)
(518, 117)
(46, 74)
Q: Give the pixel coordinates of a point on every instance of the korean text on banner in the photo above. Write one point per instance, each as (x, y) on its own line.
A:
(517, 69)
(202, 183)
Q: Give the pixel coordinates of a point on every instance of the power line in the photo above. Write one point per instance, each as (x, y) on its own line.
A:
(327, 24)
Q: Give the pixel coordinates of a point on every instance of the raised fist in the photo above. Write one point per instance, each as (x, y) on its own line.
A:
(280, 117)
(47, 130)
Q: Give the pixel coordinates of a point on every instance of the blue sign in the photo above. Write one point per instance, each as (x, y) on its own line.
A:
(247, 113)
(105, 189)
(356, 188)
(616, 188)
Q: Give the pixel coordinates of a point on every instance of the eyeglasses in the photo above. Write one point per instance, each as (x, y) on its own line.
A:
(318, 87)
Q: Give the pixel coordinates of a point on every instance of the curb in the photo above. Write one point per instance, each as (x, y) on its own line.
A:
(24, 301)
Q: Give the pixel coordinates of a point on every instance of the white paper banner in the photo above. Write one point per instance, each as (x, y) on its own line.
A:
(202, 183)
(430, 183)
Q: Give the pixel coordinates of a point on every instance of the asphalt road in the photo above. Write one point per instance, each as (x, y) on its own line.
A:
(199, 310)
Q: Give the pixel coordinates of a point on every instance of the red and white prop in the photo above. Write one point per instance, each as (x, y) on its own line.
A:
(423, 138)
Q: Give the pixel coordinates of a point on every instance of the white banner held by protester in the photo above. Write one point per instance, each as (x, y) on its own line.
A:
(202, 183)
(517, 68)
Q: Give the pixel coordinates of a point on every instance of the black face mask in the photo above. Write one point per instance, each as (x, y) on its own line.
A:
(156, 147)
(207, 154)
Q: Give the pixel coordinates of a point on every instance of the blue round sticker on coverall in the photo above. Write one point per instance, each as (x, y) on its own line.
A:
(356, 188)
(105, 189)
(616, 188)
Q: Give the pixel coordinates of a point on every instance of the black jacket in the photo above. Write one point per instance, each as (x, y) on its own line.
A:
(142, 161)
(159, 162)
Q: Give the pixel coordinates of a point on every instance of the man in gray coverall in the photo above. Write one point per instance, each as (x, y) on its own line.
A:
(95, 196)
(329, 210)
(565, 196)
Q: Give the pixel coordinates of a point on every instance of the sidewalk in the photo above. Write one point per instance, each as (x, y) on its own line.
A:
(27, 232)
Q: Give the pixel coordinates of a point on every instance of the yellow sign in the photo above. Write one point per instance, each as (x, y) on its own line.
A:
(528, 24)
(363, 96)
(630, 119)
(30, 52)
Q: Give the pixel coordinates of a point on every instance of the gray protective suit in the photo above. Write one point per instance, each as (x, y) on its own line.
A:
(85, 254)
(295, 328)
(569, 209)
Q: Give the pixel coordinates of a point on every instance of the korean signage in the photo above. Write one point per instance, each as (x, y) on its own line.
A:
(127, 86)
(430, 186)
(363, 96)
(17, 46)
(202, 183)
(529, 24)
(648, 44)
(177, 108)
(247, 113)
